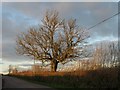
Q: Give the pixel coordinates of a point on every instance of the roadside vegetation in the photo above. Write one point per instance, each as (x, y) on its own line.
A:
(61, 41)
(101, 78)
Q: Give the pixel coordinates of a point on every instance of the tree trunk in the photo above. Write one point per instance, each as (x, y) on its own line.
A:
(54, 65)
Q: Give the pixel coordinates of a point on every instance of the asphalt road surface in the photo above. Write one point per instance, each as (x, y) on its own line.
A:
(12, 82)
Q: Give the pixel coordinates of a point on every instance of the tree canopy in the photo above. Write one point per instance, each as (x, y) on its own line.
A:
(56, 40)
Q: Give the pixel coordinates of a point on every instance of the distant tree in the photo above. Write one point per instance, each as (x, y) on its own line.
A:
(106, 54)
(10, 69)
(55, 40)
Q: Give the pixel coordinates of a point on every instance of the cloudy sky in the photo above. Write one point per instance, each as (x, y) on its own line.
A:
(60, 0)
(19, 16)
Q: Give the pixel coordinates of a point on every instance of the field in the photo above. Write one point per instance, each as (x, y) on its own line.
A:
(100, 78)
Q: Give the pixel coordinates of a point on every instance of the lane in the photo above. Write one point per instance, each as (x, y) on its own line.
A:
(12, 82)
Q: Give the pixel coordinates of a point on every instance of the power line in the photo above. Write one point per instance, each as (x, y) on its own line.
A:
(103, 21)
(94, 26)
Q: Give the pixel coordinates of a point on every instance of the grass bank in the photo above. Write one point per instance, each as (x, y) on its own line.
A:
(102, 78)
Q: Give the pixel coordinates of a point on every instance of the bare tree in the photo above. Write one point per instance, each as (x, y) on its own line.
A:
(10, 69)
(55, 40)
(106, 54)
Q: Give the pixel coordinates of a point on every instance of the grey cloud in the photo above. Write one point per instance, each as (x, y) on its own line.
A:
(88, 13)
(61, 0)
(17, 17)
(10, 29)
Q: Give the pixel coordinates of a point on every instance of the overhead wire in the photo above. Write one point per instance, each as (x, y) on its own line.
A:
(103, 21)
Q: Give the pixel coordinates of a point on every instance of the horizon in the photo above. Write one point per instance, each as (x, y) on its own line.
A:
(18, 17)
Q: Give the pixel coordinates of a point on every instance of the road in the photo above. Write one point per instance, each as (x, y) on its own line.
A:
(12, 82)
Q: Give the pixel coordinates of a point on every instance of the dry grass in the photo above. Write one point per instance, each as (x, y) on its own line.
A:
(105, 78)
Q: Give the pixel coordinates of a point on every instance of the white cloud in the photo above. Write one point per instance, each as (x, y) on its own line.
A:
(1, 65)
(88, 13)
